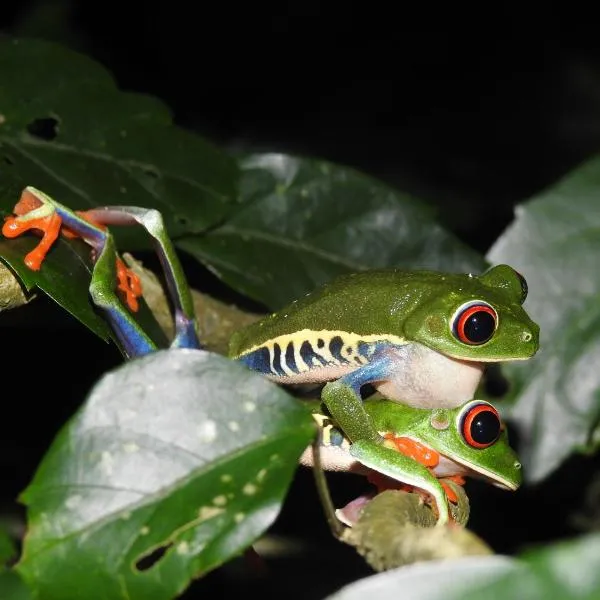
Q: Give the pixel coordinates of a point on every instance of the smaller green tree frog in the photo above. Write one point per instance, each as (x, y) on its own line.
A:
(423, 447)
(421, 338)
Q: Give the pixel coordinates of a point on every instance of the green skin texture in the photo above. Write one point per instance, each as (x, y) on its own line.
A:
(417, 306)
(496, 463)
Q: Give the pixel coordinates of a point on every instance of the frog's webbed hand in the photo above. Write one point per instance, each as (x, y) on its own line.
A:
(427, 457)
(392, 463)
(343, 400)
(34, 210)
(151, 220)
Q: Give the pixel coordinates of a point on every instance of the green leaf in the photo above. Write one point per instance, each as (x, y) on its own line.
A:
(443, 579)
(67, 130)
(65, 277)
(12, 587)
(7, 548)
(563, 571)
(301, 222)
(177, 462)
(555, 243)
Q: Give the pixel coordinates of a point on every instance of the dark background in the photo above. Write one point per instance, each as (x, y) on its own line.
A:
(472, 113)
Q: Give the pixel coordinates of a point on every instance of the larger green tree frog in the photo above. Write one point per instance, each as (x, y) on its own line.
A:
(423, 447)
(421, 338)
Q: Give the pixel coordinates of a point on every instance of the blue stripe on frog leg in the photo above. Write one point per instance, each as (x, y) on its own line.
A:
(185, 332)
(342, 397)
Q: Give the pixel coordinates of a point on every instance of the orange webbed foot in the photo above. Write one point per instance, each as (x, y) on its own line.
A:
(49, 226)
(450, 493)
(129, 284)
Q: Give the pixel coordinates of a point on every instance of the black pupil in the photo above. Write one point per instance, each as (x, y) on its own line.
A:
(485, 427)
(479, 327)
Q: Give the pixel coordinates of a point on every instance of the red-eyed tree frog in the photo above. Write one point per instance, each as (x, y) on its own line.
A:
(422, 448)
(421, 338)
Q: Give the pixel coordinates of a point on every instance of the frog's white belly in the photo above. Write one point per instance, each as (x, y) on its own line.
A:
(427, 379)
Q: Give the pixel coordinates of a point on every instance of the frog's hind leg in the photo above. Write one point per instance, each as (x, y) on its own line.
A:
(132, 338)
(151, 220)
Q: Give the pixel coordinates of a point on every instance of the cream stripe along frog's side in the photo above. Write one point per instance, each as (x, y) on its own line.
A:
(421, 338)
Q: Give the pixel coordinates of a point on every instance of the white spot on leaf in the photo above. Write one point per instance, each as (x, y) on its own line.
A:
(234, 426)
(249, 406)
(183, 548)
(73, 502)
(249, 489)
(207, 432)
(106, 463)
(220, 500)
(209, 512)
(261, 475)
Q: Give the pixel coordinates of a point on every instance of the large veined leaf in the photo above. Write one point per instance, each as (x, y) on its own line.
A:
(67, 130)
(177, 462)
(301, 222)
(555, 242)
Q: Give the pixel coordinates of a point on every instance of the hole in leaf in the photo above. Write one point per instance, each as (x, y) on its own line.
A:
(148, 560)
(151, 173)
(45, 128)
(8, 160)
(181, 220)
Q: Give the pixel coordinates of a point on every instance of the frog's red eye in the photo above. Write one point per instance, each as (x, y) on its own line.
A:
(480, 425)
(475, 323)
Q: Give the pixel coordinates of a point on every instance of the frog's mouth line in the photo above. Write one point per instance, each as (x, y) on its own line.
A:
(489, 476)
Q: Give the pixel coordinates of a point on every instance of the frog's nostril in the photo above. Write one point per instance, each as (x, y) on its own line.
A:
(526, 336)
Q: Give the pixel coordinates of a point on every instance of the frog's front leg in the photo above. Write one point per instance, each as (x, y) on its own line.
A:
(393, 464)
(343, 400)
